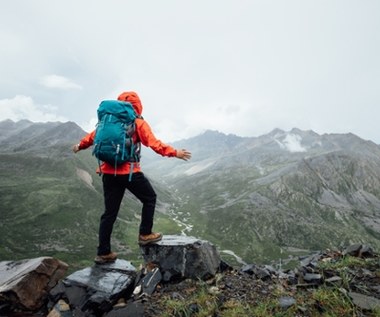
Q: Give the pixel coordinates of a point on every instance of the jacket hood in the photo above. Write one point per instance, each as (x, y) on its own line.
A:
(134, 99)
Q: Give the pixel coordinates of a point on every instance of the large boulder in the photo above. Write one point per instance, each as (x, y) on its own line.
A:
(25, 284)
(180, 257)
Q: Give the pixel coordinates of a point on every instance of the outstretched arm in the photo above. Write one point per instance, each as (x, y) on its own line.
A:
(147, 138)
(86, 142)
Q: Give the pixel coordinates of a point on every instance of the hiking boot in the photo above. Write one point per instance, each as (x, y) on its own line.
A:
(149, 238)
(107, 258)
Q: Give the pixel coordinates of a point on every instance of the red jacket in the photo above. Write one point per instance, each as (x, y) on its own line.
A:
(143, 134)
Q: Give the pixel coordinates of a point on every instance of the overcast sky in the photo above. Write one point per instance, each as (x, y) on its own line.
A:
(237, 66)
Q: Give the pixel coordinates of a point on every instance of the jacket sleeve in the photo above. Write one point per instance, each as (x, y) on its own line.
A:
(148, 139)
(87, 141)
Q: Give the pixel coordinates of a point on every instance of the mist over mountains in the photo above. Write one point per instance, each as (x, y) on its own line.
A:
(258, 198)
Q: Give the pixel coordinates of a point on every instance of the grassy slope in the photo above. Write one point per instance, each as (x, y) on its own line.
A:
(47, 210)
(259, 224)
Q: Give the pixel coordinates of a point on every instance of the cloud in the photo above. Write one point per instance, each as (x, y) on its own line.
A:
(23, 107)
(271, 69)
(292, 143)
(59, 82)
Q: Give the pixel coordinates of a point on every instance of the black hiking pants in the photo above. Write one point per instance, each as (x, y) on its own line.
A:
(114, 187)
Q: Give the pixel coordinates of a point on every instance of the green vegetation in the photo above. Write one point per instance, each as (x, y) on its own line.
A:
(253, 199)
(321, 302)
(48, 210)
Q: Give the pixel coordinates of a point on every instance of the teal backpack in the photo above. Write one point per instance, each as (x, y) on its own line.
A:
(113, 141)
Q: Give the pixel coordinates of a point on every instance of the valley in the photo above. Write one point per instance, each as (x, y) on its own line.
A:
(259, 200)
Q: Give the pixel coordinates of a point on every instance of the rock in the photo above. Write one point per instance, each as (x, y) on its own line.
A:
(135, 309)
(147, 280)
(312, 278)
(248, 268)
(214, 290)
(25, 284)
(290, 277)
(262, 273)
(96, 289)
(224, 266)
(311, 260)
(271, 269)
(138, 290)
(181, 257)
(61, 309)
(364, 302)
(150, 281)
(286, 301)
(375, 288)
(333, 280)
(359, 250)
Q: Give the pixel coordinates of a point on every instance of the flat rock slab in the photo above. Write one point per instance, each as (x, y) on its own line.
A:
(181, 257)
(95, 289)
(26, 283)
(364, 301)
(107, 278)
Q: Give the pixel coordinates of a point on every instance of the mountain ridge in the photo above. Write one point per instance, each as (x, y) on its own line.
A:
(297, 188)
(256, 197)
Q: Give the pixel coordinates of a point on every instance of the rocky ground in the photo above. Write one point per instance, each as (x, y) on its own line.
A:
(230, 286)
(331, 283)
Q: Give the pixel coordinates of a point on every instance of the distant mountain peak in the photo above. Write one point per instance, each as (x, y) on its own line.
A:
(275, 131)
(218, 133)
(25, 135)
(213, 133)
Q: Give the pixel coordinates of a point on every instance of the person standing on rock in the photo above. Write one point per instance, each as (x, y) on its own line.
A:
(129, 176)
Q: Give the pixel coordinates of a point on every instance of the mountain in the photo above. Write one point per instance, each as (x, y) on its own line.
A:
(51, 199)
(278, 194)
(256, 198)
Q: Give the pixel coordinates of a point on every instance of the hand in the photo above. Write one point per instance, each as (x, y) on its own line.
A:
(183, 155)
(76, 148)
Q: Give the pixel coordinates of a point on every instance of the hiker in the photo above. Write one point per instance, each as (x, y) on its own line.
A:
(129, 176)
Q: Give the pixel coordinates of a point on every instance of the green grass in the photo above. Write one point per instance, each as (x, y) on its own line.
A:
(324, 302)
(345, 263)
(199, 303)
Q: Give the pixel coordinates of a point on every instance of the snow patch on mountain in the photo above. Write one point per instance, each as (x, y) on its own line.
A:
(85, 177)
(198, 168)
(291, 143)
